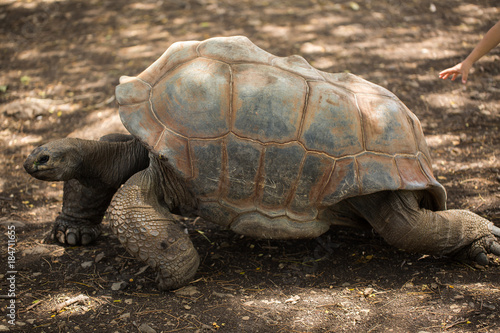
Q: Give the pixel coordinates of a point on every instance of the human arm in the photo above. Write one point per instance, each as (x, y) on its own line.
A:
(489, 41)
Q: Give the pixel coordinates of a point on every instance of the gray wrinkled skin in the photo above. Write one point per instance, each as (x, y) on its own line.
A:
(402, 221)
(87, 192)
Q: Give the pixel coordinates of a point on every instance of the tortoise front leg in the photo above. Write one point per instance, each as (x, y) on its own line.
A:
(82, 213)
(398, 217)
(84, 207)
(139, 215)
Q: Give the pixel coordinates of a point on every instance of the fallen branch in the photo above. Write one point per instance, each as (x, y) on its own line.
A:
(60, 306)
(32, 305)
(466, 321)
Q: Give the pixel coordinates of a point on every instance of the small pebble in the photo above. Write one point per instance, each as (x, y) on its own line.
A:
(367, 292)
(118, 285)
(99, 257)
(489, 306)
(87, 264)
(125, 315)
(145, 328)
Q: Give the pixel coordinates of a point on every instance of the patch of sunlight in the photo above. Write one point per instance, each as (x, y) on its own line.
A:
(135, 30)
(424, 50)
(42, 211)
(349, 30)
(137, 51)
(446, 101)
(98, 124)
(468, 10)
(69, 304)
(309, 310)
(144, 6)
(331, 22)
(276, 31)
(442, 140)
(323, 63)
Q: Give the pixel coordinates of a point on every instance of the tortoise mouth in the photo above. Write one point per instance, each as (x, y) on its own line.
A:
(40, 174)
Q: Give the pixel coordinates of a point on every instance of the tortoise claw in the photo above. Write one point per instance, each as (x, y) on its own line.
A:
(60, 236)
(495, 249)
(71, 238)
(86, 239)
(481, 259)
(494, 229)
(75, 232)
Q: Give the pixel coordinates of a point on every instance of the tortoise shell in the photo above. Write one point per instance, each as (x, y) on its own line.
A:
(268, 143)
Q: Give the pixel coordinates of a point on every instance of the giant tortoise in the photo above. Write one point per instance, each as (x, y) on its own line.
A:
(266, 146)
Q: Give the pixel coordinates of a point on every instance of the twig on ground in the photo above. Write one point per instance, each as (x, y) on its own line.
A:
(60, 306)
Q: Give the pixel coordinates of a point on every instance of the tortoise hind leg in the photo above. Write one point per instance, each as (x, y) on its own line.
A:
(399, 218)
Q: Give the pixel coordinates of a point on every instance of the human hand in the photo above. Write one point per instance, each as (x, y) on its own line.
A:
(459, 69)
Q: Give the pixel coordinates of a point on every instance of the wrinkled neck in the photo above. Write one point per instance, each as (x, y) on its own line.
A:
(110, 164)
(165, 188)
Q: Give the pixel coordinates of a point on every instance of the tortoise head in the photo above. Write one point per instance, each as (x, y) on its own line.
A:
(57, 160)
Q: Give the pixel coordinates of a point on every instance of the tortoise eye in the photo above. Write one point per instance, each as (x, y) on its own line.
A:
(43, 159)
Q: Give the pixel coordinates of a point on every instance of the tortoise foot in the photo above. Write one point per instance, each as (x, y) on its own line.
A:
(478, 250)
(74, 232)
(172, 256)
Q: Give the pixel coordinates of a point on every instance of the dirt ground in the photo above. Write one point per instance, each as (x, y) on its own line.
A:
(60, 62)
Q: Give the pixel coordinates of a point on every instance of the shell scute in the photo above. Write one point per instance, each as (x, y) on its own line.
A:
(297, 65)
(386, 125)
(356, 84)
(243, 159)
(343, 182)
(412, 174)
(332, 121)
(281, 171)
(385, 169)
(217, 212)
(133, 91)
(193, 99)
(267, 103)
(176, 149)
(207, 163)
(140, 120)
(314, 175)
(177, 54)
(237, 49)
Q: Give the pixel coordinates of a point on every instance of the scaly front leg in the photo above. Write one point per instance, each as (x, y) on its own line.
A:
(140, 217)
(82, 212)
(84, 206)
